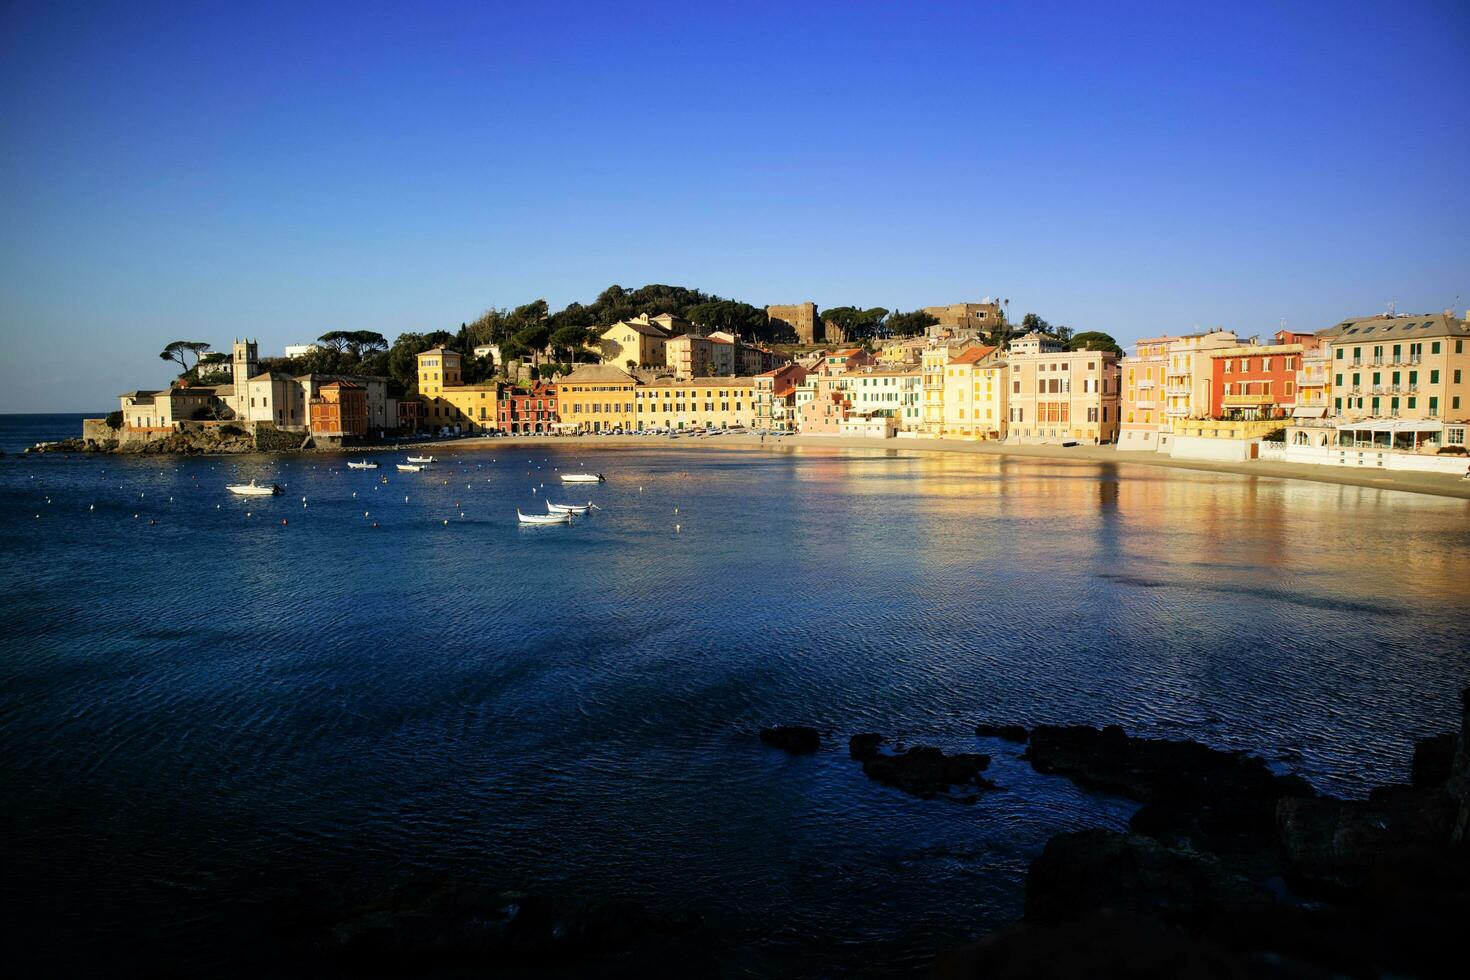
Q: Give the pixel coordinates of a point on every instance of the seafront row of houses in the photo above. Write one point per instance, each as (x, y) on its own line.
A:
(1387, 390)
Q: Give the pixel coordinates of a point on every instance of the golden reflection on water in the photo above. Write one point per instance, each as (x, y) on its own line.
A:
(1174, 525)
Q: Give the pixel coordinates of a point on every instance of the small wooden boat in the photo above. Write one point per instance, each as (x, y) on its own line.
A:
(578, 509)
(252, 490)
(409, 467)
(583, 478)
(364, 465)
(421, 459)
(543, 518)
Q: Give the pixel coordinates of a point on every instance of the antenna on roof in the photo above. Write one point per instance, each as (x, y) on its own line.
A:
(1391, 305)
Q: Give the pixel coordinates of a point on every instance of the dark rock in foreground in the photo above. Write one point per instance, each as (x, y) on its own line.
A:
(1215, 800)
(864, 745)
(435, 926)
(925, 771)
(1105, 945)
(1011, 733)
(1339, 842)
(1434, 760)
(796, 739)
(1093, 869)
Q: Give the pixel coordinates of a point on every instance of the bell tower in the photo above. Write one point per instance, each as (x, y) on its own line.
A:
(245, 360)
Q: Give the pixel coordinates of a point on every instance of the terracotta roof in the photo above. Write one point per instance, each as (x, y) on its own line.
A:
(974, 354)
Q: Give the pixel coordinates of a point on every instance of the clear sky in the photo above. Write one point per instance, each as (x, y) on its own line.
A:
(201, 171)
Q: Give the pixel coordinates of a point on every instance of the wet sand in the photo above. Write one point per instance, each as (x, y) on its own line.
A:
(1437, 484)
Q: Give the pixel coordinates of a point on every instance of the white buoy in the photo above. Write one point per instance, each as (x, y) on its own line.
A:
(91, 506)
(676, 528)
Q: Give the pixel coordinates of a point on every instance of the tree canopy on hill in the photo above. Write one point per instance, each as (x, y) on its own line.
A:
(1094, 340)
(855, 323)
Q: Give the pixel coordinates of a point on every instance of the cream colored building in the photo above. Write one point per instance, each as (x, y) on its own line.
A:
(639, 342)
(700, 357)
(1187, 380)
(696, 403)
(891, 393)
(1060, 396)
(162, 409)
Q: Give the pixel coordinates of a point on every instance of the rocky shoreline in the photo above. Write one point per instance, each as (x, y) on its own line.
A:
(1227, 868)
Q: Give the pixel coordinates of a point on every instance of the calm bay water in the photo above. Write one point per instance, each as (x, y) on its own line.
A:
(201, 713)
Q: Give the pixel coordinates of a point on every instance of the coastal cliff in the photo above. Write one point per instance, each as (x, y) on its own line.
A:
(187, 439)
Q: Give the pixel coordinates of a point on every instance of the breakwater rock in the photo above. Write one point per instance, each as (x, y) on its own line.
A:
(1230, 870)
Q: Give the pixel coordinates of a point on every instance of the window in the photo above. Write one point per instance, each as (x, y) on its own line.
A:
(1433, 406)
(1434, 377)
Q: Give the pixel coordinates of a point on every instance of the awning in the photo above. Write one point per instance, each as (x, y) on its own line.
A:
(1391, 425)
(1309, 411)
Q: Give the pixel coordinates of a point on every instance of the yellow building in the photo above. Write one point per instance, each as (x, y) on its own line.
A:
(635, 343)
(1409, 367)
(1145, 415)
(932, 364)
(448, 401)
(974, 396)
(597, 398)
(696, 403)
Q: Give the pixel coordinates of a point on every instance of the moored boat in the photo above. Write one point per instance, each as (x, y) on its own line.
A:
(543, 518)
(364, 465)
(578, 509)
(409, 467)
(583, 478)
(252, 489)
(421, 459)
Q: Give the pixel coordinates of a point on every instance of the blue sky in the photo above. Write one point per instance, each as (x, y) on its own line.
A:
(204, 171)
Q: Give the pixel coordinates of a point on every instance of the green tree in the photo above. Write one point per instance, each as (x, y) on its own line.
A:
(730, 316)
(179, 350)
(1094, 340)
(114, 420)
(855, 323)
(336, 339)
(1031, 322)
(908, 324)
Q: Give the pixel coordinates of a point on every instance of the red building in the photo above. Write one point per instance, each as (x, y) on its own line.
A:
(1257, 381)
(528, 411)
(340, 409)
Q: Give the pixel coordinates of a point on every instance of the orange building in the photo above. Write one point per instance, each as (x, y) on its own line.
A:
(340, 409)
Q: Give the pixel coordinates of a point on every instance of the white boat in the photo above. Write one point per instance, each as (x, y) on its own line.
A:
(409, 467)
(364, 465)
(421, 459)
(578, 509)
(543, 518)
(252, 490)
(582, 478)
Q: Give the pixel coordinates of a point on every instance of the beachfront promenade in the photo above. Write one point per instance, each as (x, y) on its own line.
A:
(1438, 484)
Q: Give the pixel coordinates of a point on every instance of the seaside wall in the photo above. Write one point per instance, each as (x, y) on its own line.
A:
(1210, 448)
(1370, 458)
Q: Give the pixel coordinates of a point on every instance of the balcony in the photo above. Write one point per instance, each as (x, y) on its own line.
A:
(1180, 392)
(1145, 403)
(1246, 401)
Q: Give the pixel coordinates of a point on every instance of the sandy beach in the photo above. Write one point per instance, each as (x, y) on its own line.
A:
(1437, 484)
